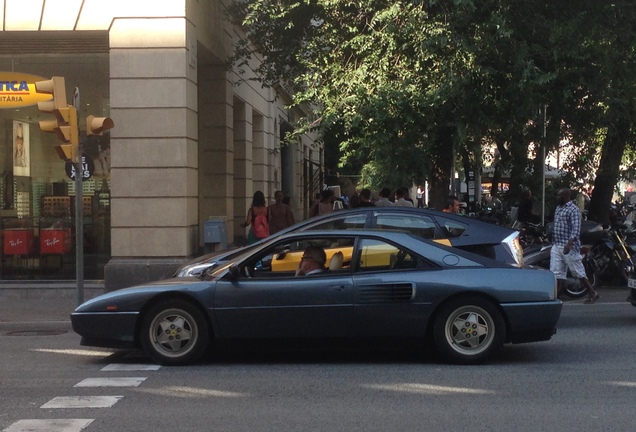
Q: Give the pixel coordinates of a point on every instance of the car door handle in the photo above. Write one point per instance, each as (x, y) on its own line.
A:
(339, 287)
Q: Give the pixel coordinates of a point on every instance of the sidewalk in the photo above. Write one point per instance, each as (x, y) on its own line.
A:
(42, 301)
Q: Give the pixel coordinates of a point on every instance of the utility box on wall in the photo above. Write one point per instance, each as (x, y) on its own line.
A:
(215, 234)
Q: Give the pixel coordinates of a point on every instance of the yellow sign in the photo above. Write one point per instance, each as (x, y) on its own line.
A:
(18, 90)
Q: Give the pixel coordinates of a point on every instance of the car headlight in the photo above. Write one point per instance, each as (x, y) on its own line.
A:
(195, 270)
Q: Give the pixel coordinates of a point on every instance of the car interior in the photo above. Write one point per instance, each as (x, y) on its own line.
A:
(374, 255)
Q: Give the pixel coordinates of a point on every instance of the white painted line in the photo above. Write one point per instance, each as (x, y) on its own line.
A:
(82, 402)
(111, 382)
(49, 425)
(130, 367)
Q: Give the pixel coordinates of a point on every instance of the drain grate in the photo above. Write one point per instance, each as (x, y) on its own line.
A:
(36, 333)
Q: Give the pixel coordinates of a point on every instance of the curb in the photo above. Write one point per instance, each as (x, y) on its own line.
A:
(34, 290)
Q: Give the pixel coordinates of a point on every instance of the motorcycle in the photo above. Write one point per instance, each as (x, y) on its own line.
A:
(611, 256)
(531, 234)
(539, 255)
(573, 288)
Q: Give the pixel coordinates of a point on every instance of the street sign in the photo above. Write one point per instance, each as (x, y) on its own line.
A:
(88, 168)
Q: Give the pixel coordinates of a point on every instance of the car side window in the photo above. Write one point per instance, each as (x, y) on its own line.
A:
(452, 228)
(282, 259)
(345, 222)
(375, 255)
(421, 226)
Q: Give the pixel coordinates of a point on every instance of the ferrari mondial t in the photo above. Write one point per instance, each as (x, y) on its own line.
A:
(332, 286)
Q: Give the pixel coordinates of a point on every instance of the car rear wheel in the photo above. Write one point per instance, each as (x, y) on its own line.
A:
(468, 330)
(174, 333)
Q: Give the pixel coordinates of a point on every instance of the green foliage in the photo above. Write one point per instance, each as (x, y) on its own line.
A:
(410, 85)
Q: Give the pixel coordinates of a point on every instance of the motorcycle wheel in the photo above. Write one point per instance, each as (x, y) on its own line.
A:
(576, 289)
(623, 270)
(592, 276)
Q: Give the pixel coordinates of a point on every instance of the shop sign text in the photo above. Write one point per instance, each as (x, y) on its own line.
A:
(18, 90)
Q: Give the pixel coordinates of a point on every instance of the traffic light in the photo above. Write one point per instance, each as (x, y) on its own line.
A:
(57, 89)
(65, 124)
(98, 125)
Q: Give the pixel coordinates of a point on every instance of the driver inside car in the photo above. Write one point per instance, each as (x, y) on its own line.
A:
(312, 262)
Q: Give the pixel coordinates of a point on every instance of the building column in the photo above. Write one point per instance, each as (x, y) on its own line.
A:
(262, 156)
(216, 147)
(154, 186)
(244, 186)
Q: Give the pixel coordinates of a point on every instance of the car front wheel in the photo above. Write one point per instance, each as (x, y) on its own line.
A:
(174, 332)
(468, 330)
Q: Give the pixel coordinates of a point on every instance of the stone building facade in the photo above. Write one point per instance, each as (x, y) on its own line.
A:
(193, 139)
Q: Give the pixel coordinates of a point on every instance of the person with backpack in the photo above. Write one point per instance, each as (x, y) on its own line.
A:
(258, 217)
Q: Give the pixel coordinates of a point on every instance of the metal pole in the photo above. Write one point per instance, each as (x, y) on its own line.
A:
(79, 212)
(545, 108)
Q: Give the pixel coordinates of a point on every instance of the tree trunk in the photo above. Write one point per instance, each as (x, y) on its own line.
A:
(441, 170)
(607, 173)
(519, 165)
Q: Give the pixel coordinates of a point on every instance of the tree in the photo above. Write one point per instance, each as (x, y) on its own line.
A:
(414, 87)
(393, 74)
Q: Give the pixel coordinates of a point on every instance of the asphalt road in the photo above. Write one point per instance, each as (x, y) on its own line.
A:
(581, 380)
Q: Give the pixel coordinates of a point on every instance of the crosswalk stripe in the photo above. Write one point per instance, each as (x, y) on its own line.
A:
(111, 382)
(69, 402)
(82, 402)
(49, 425)
(130, 367)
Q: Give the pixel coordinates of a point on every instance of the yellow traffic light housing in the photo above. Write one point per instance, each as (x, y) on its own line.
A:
(57, 89)
(65, 124)
(98, 125)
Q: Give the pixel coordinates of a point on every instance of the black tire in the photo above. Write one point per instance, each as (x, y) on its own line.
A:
(468, 330)
(592, 277)
(174, 332)
(574, 288)
(623, 270)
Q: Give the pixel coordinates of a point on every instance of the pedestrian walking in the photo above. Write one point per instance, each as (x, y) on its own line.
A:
(401, 198)
(364, 199)
(383, 200)
(257, 218)
(566, 245)
(420, 197)
(325, 205)
(281, 214)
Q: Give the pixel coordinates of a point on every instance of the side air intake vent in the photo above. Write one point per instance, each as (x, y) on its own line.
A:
(389, 293)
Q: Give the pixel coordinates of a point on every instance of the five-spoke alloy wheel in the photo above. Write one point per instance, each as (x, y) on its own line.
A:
(468, 330)
(174, 332)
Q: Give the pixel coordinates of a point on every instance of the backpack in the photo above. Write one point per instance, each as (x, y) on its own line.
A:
(261, 226)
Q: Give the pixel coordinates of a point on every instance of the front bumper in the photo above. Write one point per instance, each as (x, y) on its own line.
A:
(106, 329)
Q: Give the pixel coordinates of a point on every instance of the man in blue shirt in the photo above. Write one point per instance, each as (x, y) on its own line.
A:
(566, 244)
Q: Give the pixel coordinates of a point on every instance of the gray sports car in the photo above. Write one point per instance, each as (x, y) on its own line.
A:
(364, 284)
